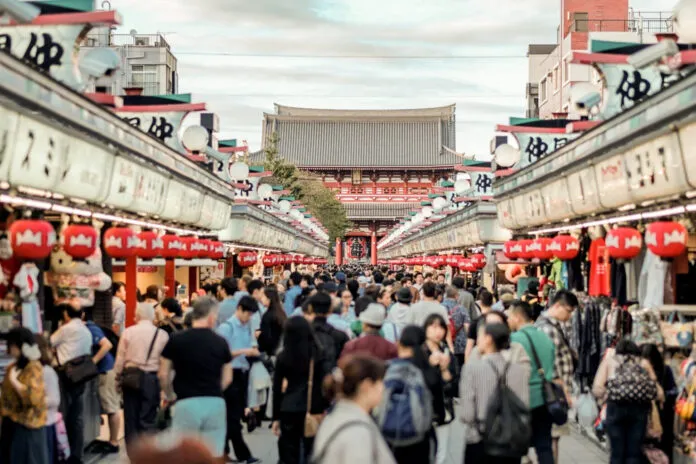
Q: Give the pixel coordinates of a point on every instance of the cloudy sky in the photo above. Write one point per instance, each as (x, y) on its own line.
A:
(241, 56)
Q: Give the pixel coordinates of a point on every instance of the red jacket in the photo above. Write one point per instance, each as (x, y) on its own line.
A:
(372, 344)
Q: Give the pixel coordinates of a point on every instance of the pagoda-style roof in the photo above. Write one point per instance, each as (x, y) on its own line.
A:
(392, 211)
(316, 138)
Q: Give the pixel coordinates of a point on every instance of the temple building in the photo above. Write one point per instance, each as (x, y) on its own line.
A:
(381, 163)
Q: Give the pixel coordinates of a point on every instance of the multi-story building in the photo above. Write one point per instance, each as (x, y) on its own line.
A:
(381, 163)
(147, 62)
(551, 73)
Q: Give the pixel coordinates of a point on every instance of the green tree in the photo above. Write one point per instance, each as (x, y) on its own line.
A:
(320, 201)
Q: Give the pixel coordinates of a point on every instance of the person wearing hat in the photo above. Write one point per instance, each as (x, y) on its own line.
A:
(340, 280)
(399, 312)
(370, 341)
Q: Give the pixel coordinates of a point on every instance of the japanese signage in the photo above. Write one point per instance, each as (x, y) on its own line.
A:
(162, 126)
(625, 86)
(535, 146)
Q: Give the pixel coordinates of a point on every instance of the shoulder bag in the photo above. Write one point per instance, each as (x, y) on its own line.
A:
(312, 421)
(132, 376)
(79, 370)
(554, 396)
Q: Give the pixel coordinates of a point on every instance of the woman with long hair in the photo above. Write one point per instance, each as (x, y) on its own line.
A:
(272, 322)
(52, 388)
(348, 434)
(300, 370)
(23, 403)
(440, 358)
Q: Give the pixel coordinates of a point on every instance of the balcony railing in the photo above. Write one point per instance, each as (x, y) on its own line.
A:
(641, 25)
(97, 38)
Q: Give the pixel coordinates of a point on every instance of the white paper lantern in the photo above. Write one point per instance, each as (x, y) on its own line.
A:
(264, 191)
(439, 203)
(462, 185)
(685, 21)
(239, 171)
(427, 212)
(506, 155)
(284, 205)
(195, 138)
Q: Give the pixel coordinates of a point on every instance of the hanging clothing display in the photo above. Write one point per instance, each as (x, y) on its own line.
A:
(617, 323)
(27, 281)
(577, 267)
(651, 285)
(599, 269)
(587, 339)
(618, 281)
(685, 285)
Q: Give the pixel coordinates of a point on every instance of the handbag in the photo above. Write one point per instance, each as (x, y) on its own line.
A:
(312, 421)
(655, 456)
(678, 334)
(553, 394)
(132, 376)
(79, 370)
(686, 404)
(654, 424)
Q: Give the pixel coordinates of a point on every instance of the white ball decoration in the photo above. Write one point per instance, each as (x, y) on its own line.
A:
(264, 191)
(439, 203)
(195, 138)
(427, 212)
(284, 205)
(462, 185)
(506, 156)
(685, 21)
(239, 171)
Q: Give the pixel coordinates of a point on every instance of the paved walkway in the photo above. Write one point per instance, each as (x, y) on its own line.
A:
(575, 449)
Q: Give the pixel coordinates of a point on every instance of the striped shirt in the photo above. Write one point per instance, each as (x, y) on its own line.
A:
(478, 385)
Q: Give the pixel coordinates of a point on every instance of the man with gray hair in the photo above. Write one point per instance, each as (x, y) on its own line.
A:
(139, 349)
(200, 360)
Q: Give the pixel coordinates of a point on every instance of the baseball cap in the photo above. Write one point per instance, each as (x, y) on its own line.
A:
(374, 315)
(340, 276)
(404, 295)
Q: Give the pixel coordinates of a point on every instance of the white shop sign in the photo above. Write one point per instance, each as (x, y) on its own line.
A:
(583, 191)
(124, 181)
(536, 146)
(86, 173)
(193, 203)
(39, 156)
(655, 169)
(556, 201)
(506, 214)
(8, 131)
(50, 48)
(174, 203)
(162, 126)
(207, 212)
(687, 136)
(625, 86)
(150, 192)
(613, 183)
(529, 208)
(221, 215)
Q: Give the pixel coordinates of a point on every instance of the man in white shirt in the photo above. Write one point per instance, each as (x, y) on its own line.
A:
(118, 307)
(71, 341)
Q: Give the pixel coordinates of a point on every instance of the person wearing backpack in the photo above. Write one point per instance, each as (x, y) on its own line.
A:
(332, 340)
(348, 434)
(541, 352)
(628, 385)
(410, 404)
(495, 402)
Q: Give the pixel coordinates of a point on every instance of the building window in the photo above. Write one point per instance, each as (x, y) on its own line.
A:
(145, 76)
(542, 89)
(556, 79)
(566, 71)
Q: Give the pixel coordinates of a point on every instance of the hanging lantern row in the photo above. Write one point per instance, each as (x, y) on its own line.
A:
(664, 239)
(475, 263)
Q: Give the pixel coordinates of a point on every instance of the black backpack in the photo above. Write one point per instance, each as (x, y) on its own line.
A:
(328, 345)
(507, 431)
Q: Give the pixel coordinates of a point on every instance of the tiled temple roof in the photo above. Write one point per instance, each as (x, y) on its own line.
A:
(392, 211)
(364, 138)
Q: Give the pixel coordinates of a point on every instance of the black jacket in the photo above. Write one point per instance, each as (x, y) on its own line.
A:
(294, 398)
(330, 339)
(271, 333)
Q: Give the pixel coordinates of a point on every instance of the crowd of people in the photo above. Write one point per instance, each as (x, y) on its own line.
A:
(344, 365)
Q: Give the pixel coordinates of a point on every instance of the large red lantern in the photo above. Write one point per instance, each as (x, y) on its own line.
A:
(297, 259)
(479, 260)
(32, 238)
(173, 246)
(512, 249)
(120, 242)
(452, 260)
(247, 258)
(80, 240)
(525, 249)
(217, 250)
(666, 239)
(540, 247)
(150, 245)
(564, 247)
(190, 248)
(439, 261)
(307, 260)
(467, 265)
(206, 246)
(623, 243)
(270, 260)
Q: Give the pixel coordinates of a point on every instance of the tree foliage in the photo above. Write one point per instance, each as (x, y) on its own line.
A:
(320, 201)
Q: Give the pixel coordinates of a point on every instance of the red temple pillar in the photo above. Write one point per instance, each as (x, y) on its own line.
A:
(373, 248)
(131, 289)
(229, 266)
(193, 280)
(339, 252)
(170, 277)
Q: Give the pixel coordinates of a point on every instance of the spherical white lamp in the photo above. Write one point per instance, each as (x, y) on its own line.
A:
(264, 191)
(506, 155)
(462, 185)
(427, 212)
(195, 138)
(284, 205)
(439, 203)
(685, 21)
(239, 171)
